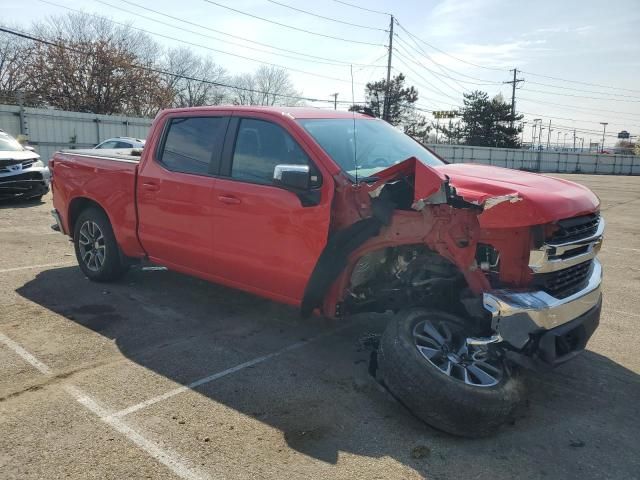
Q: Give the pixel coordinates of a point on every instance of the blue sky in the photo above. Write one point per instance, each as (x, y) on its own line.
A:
(588, 41)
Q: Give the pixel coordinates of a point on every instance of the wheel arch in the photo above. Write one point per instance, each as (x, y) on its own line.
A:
(77, 206)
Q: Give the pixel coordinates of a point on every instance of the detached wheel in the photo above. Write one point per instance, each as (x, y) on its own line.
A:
(97, 251)
(426, 364)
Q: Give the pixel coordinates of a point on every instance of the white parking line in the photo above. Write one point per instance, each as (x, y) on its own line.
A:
(224, 373)
(170, 459)
(29, 267)
(41, 367)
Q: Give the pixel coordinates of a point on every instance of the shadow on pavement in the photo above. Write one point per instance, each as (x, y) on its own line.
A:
(582, 419)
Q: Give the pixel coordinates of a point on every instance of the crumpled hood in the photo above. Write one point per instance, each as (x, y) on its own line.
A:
(513, 198)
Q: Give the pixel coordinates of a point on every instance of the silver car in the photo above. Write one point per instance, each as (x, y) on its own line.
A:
(22, 173)
(121, 142)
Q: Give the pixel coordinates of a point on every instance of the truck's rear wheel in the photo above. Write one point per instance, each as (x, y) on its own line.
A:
(96, 247)
(426, 364)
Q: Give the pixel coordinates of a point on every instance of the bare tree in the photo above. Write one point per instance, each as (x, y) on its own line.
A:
(267, 86)
(97, 67)
(192, 91)
(14, 75)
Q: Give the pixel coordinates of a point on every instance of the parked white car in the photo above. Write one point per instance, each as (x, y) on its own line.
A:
(121, 142)
(22, 173)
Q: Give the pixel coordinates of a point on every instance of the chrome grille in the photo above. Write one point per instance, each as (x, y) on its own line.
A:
(574, 229)
(562, 283)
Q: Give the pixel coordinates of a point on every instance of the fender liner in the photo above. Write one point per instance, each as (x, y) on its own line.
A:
(342, 243)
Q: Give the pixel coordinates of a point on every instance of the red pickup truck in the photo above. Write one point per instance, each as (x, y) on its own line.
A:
(487, 269)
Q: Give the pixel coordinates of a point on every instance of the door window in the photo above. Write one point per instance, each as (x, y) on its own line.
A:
(192, 144)
(260, 146)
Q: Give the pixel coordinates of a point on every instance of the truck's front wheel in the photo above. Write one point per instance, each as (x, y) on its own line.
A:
(96, 247)
(425, 362)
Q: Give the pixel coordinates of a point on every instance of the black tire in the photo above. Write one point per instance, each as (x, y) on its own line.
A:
(438, 399)
(114, 264)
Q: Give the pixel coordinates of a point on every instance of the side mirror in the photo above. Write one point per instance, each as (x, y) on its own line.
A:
(29, 147)
(295, 177)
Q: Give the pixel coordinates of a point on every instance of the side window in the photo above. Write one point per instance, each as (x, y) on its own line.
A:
(191, 144)
(111, 144)
(260, 146)
(123, 145)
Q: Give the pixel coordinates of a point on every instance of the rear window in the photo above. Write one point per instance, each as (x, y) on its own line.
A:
(192, 144)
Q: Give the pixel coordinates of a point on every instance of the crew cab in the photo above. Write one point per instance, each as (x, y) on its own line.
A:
(486, 269)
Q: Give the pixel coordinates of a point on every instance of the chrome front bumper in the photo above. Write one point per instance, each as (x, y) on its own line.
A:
(515, 315)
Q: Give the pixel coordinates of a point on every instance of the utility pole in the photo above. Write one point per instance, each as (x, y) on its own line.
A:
(549, 135)
(558, 140)
(604, 130)
(540, 136)
(535, 127)
(574, 139)
(335, 100)
(513, 83)
(387, 107)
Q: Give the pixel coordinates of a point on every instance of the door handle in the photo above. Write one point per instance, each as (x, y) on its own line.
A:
(150, 186)
(229, 199)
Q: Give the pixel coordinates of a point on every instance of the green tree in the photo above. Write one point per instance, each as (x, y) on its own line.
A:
(487, 122)
(401, 100)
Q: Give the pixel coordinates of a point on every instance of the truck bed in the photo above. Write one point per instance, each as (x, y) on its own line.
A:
(126, 154)
(106, 178)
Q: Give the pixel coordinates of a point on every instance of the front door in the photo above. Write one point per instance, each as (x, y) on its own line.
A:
(175, 193)
(266, 241)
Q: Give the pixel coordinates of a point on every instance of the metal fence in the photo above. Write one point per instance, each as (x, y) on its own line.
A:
(541, 161)
(50, 130)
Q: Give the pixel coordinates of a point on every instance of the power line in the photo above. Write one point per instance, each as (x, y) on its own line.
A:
(361, 8)
(208, 48)
(441, 67)
(420, 64)
(331, 19)
(199, 25)
(424, 79)
(291, 26)
(584, 91)
(418, 49)
(582, 96)
(448, 54)
(581, 83)
(312, 60)
(579, 109)
(164, 72)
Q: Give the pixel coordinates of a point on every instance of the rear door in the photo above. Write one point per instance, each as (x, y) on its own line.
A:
(176, 192)
(266, 240)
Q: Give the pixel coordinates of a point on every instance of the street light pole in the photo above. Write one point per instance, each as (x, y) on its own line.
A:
(549, 135)
(604, 130)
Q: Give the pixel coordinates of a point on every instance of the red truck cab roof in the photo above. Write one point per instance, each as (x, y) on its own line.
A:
(291, 112)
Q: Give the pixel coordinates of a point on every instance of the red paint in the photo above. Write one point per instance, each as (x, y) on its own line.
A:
(261, 239)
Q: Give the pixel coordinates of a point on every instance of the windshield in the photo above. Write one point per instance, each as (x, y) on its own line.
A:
(9, 144)
(378, 145)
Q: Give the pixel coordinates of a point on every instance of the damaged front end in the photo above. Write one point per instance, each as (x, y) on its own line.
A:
(407, 238)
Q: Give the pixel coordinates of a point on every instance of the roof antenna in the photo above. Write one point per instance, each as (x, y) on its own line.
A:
(353, 114)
